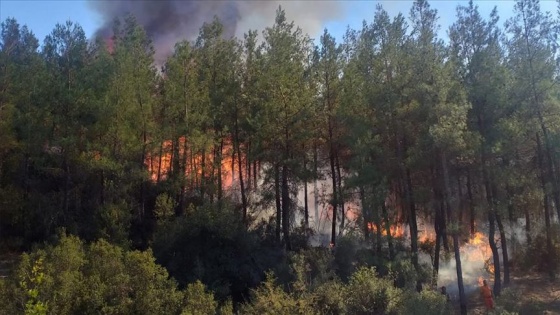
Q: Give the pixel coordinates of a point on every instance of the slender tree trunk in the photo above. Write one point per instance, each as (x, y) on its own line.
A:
(456, 246)
(277, 199)
(340, 197)
(334, 201)
(202, 174)
(365, 217)
(158, 178)
(471, 205)
(388, 231)
(490, 198)
(286, 208)
(460, 202)
(305, 198)
(527, 226)
(412, 220)
(316, 188)
(240, 164)
(491, 234)
(437, 248)
(255, 174)
(546, 203)
(462, 298)
(503, 242)
(219, 166)
(495, 254)
(437, 222)
(549, 247)
(248, 166)
(66, 197)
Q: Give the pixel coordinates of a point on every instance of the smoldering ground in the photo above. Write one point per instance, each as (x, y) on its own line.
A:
(169, 21)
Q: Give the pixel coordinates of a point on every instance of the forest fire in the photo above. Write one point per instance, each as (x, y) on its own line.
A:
(160, 165)
(475, 252)
(397, 230)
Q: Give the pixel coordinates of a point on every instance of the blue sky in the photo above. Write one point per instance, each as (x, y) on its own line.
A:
(42, 16)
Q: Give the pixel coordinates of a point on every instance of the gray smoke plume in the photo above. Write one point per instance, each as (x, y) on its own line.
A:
(170, 21)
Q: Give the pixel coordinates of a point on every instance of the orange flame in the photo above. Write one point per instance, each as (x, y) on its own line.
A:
(396, 230)
(160, 165)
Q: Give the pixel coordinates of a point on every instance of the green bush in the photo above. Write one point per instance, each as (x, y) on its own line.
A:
(509, 300)
(426, 302)
(271, 299)
(368, 294)
(212, 245)
(330, 298)
(198, 301)
(345, 257)
(73, 278)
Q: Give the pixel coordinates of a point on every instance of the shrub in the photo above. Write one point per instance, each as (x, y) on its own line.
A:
(198, 301)
(72, 278)
(368, 294)
(271, 299)
(212, 245)
(426, 302)
(330, 298)
(344, 257)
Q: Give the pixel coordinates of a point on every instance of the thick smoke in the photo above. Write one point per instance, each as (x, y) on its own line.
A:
(170, 21)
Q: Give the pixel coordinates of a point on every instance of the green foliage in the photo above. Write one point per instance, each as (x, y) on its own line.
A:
(73, 278)
(344, 257)
(330, 298)
(164, 207)
(31, 285)
(536, 256)
(368, 294)
(198, 301)
(212, 245)
(425, 302)
(269, 299)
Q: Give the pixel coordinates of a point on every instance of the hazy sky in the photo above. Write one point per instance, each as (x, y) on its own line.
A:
(42, 15)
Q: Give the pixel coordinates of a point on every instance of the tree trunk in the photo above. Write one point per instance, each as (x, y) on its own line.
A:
(462, 298)
(241, 183)
(490, 198)
(219, 166)
(286, 205)
(437, 248)
(460, 202)
(503, 242)
(471, 204)
(334, 201)
(388, 231)
(158, 178)
(305, 199)
(546, 204)
(527, 226)
(364, 213)
(255, 175)
(340, 197)
(456, 246)
(315, 188)
(202, 174)
(437, 222)
(277, 199)
(247, 166)
(495, 254)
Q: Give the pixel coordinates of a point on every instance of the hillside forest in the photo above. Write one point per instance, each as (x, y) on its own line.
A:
(278, 174)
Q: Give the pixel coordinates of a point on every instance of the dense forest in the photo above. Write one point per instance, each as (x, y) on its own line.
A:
(197, 186)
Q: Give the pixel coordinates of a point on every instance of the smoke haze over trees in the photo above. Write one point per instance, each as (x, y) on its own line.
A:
(257, 171)
(170, 21)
